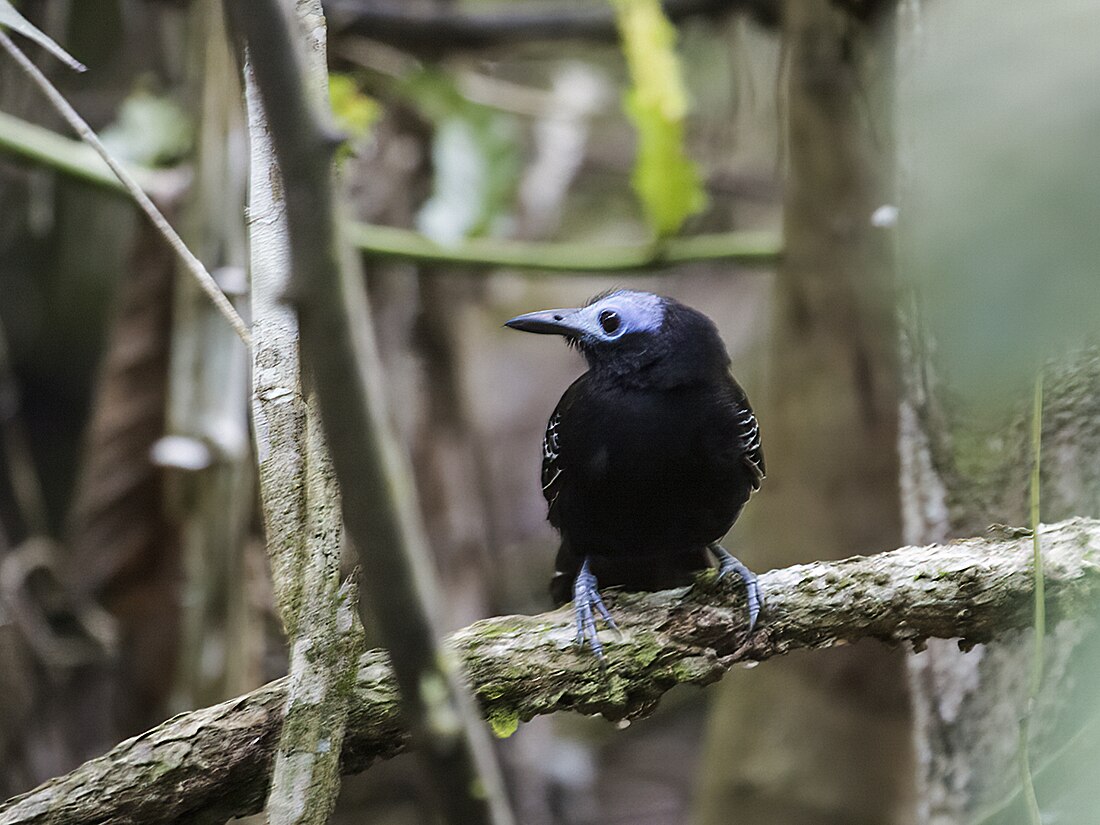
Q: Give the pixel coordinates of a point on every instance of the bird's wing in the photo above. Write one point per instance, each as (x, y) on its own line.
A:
(552, 464)
(748, 441)
(747, 434)
(551, 457)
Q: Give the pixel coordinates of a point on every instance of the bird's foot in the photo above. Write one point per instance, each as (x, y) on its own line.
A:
(586, 596)
(728, 563)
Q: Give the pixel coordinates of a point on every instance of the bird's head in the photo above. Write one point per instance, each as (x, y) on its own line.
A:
(625, 332)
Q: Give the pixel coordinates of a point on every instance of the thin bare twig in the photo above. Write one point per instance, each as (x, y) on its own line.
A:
(80, 126)
(1027, 780)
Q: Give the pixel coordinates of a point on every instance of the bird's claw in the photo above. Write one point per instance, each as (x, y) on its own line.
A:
(728, 563)
(586, 596)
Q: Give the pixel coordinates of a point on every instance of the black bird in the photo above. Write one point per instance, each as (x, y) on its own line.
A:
(649, 456)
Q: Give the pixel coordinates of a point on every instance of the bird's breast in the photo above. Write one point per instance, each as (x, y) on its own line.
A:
(632, 436)
(644, 473)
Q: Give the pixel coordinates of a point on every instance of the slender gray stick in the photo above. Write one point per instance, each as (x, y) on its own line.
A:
(80, 126)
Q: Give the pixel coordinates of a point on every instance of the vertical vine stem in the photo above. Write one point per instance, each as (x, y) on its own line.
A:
(1026, 780)
(23, 475)
(1037, 555)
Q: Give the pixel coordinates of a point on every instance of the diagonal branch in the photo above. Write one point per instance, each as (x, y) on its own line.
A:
(80, 126)
(211, 764)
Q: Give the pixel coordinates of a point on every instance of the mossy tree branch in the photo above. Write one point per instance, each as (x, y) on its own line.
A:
(213, 763)
(751, 248)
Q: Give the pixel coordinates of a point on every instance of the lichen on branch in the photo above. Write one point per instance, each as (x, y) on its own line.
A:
(212, 764)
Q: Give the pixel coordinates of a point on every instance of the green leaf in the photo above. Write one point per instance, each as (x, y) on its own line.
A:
(504, 723)
(476, 158)
(12, 19)
(665, 180)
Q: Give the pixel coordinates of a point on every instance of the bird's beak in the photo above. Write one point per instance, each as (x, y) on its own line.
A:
(549, 322)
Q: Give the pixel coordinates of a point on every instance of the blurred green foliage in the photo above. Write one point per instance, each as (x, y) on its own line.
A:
(666, 181)
(1000, 129)
(476, 154)
(151, 130)
(355, 112)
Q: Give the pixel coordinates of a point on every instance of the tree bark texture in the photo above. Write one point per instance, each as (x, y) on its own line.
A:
(212, 764)
(968, 708)
(339, 348)
(298, 489)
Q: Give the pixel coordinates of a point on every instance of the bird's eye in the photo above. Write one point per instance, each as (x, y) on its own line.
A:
(609, 321)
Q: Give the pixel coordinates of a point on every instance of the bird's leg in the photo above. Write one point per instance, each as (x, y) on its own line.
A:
(727, 563)
(585, 597)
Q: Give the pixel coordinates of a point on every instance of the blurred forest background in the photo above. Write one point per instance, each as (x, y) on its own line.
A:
(931, 170)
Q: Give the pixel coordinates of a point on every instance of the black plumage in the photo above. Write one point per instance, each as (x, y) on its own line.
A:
(649, 456)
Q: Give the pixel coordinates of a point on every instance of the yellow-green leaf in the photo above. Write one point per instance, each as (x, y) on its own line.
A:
(354, 111)
(504, 723)
(665, 180)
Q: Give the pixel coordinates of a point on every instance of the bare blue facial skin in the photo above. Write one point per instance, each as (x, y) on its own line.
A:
(602, 321)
